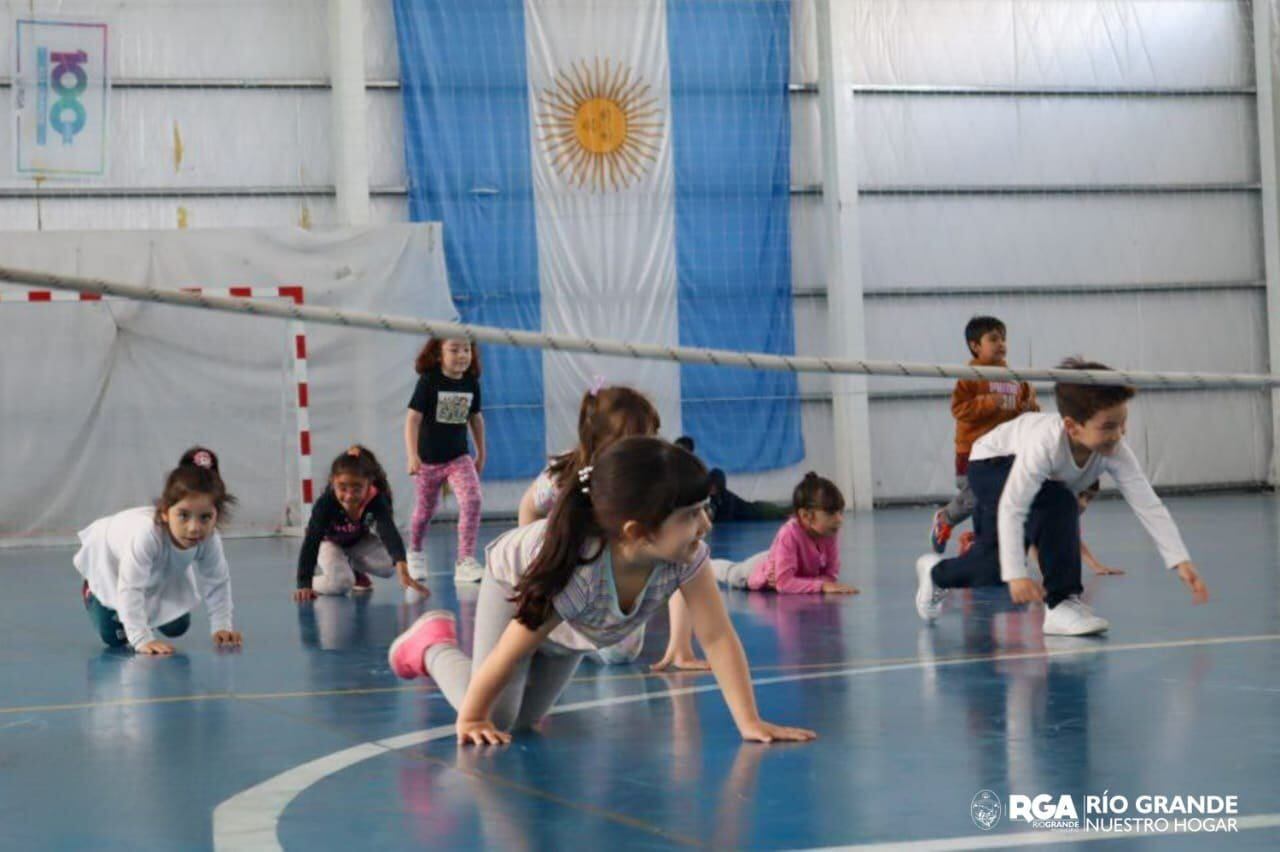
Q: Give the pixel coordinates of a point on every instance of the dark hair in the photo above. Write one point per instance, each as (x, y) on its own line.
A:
(684, 442)
(360, 461)
(815, 492)
(978, 327)
(637, 479)
(196, 473)
(1081, 402)
(605, 417)
(432, 354)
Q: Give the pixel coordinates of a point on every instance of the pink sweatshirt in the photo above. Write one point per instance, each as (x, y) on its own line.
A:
(797, 563)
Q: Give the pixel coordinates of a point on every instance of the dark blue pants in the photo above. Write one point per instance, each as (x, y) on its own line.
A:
(1053, 526)
(727, 506)
(107, 622)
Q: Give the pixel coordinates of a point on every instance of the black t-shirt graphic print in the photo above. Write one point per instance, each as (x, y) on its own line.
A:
(446, 405)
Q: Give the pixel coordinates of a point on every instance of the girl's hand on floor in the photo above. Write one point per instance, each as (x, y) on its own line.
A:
(481, 732)
(839, 589)
(1104, 570)
(406, 580)
(156, 648)
(761, 731)
(300, 595)
(228, 639)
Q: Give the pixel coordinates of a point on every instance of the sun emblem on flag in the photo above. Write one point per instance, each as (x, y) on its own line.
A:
(600, 125)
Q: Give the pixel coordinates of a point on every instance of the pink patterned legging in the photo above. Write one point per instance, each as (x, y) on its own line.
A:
(465, 482)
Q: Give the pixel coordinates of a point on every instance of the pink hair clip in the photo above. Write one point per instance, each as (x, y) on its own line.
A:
(354, 451)
(597, 385)
(203, 459)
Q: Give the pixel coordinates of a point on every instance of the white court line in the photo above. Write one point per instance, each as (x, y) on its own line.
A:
(249, 819)
(1040, 838)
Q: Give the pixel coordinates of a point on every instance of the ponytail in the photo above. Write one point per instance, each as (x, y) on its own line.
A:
(196, 473)
(816, 492)
(360, 461)
(571, 524)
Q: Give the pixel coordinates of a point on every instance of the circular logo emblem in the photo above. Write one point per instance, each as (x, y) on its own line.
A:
(985, 810)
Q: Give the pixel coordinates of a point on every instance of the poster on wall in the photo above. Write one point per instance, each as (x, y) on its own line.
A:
(60, 96)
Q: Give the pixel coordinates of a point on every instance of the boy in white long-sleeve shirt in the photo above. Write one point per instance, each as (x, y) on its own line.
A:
(1026, 475)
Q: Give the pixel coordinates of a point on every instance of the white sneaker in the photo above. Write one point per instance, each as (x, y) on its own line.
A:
(418, 565)
(468, 571)
(929, 598)
(1073, 617)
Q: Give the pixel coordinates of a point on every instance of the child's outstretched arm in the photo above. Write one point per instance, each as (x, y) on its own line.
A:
(213, 578)
(412, 428)
(680, 654)
(385, 522)
(131, 597)
(831, 584)
(728, 662)
(488, 681)
(1141, 497)
(309, 553)
(1092, 561)
(477, 433)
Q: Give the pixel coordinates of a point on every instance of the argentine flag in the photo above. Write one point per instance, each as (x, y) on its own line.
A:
(617, 169)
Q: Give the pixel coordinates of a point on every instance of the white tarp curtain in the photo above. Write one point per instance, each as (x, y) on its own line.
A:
(97, 401)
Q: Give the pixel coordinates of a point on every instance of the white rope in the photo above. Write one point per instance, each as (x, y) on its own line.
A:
(650, 351)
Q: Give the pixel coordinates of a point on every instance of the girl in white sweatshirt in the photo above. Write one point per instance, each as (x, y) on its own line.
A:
(145, 569)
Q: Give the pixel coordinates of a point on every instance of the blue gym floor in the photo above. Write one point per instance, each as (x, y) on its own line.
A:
(305, 739)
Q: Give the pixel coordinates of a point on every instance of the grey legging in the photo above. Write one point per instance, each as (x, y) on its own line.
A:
(961, 506)
(536, 682)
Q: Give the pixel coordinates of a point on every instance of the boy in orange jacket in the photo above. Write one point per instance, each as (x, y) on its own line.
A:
(978, 407)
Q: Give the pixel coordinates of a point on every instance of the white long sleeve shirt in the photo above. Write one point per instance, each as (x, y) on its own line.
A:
(1042, 453)
(134, 567)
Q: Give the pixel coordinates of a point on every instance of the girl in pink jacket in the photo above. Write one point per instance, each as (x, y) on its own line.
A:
(805, 555)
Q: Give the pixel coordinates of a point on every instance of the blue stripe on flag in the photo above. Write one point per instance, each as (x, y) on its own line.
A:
(466, 118)
(731, 124)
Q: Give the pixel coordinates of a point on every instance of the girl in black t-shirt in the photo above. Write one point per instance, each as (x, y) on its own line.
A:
(352, 532)
(444, 407)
